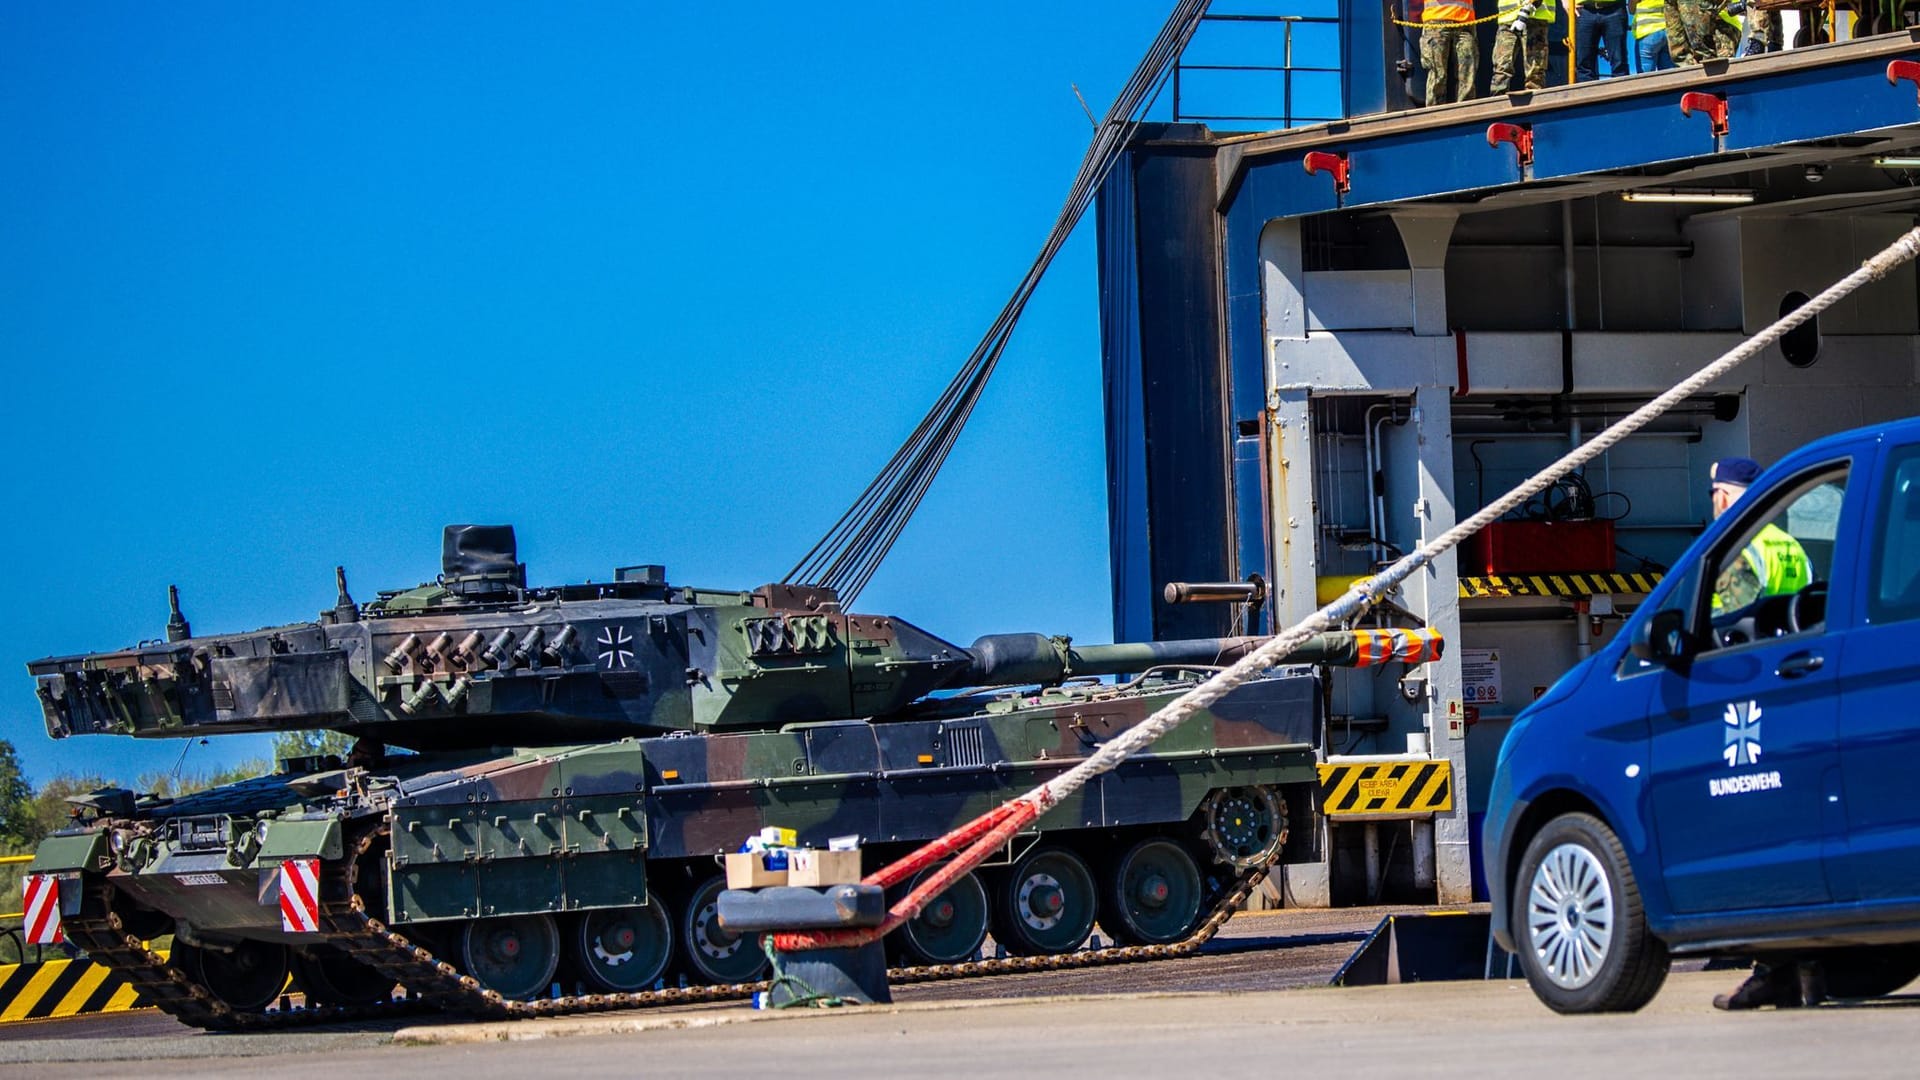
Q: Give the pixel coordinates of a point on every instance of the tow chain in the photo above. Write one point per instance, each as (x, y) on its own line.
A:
(160, 984)
(1223, 910)
(433, 984)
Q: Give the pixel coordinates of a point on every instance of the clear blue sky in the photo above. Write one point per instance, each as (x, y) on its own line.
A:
(286, 286)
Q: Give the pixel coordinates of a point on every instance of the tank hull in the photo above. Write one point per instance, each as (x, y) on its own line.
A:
(565, 832)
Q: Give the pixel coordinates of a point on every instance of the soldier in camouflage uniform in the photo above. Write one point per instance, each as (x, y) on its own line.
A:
(1449, 51)
(1520, 43)
(1772, 564)
(1700, 30)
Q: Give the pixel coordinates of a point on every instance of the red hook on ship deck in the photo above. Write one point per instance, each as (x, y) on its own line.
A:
(1319, 161)
(1520, 135)
(1714, 105)
(1904, 70)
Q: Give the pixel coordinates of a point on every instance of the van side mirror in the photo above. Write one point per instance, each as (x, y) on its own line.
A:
(1663, 638)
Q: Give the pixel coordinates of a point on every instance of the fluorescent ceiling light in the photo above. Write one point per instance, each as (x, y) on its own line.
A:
(1689, 195)
(1897, 162)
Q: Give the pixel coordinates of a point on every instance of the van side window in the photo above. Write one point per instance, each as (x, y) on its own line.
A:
(1895, 592)
(1771, 581)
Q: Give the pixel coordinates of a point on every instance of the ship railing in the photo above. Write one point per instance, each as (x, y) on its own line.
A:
(1239, 30)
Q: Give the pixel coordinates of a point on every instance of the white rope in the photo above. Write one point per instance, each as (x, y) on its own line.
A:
(1368, 591)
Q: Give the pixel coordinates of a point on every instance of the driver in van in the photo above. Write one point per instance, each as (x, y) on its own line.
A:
(1773, 564)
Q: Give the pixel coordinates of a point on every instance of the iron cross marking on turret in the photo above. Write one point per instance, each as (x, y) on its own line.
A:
(613, 643)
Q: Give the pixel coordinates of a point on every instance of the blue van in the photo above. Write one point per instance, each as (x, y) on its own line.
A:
(1734, 779)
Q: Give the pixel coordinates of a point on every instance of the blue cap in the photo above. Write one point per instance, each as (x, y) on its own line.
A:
(1738, 471)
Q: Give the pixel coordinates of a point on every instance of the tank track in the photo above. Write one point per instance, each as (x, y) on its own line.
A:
(162, 984)
(435, 985)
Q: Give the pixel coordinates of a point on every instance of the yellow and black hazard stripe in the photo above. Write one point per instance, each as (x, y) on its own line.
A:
(53, 988)
(1386, 787)
(1558, 585)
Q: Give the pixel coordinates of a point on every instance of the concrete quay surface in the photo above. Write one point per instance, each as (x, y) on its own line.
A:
(1479, 1029)
(1254, 1002)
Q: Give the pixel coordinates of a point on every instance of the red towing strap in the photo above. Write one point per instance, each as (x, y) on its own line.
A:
(973, 841)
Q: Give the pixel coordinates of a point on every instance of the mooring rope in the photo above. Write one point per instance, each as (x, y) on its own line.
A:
(1004, 821)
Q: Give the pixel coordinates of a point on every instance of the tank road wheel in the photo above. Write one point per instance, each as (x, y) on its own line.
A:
(1152, 894)
(248, 976)
(1577, 919)
(515, 956)
(1244, 825)
(330, 977)
(1045, 903)
(623, 950)
(950, 928)
(712, 954)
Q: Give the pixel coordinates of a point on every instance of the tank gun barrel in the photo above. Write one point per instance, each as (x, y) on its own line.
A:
(1013, 659)
(1016, 659)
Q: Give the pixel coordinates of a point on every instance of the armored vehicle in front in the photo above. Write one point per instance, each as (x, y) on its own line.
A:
(542, 779)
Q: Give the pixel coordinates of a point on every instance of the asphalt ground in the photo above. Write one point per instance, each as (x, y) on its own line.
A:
(1256, 1001)
(1264, 950)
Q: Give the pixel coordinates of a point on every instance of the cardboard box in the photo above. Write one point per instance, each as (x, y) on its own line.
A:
(806, 866)
(748, 870)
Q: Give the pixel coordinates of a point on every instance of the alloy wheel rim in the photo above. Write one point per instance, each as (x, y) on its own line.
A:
(1570, 916)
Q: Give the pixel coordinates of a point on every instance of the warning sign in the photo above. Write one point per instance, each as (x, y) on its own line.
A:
(1400, 787)
(1480, 676)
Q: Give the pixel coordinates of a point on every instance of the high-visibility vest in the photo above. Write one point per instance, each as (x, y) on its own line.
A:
(1542, 12)
(1778, 561)
(1730, 19)
(1649, 18)
(1446, 11)
(1779, 566)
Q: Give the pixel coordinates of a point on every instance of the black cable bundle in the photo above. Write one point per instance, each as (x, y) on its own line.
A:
(847, 557)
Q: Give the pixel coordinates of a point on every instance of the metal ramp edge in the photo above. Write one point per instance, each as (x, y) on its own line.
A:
(1429, 946)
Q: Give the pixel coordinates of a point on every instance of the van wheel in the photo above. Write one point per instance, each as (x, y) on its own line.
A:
(1869, 971)
(1578, 921)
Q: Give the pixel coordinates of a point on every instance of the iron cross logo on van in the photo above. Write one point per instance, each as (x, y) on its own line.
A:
(1743, 733)
(1730, 775)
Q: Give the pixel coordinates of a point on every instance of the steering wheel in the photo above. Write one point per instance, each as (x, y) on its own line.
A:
(1736, 632)
(1808, 608)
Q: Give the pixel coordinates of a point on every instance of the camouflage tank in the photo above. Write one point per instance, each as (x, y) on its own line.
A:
(543, 779)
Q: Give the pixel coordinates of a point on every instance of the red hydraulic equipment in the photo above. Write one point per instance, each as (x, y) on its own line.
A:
(1539, 547)
(1321, 161)
(1899, 71)
(1520, 135)
(1714, 105)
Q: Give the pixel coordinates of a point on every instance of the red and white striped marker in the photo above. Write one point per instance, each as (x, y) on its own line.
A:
(42, 907)
(300, 896)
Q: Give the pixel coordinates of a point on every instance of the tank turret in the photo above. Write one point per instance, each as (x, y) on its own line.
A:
(476, 658)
